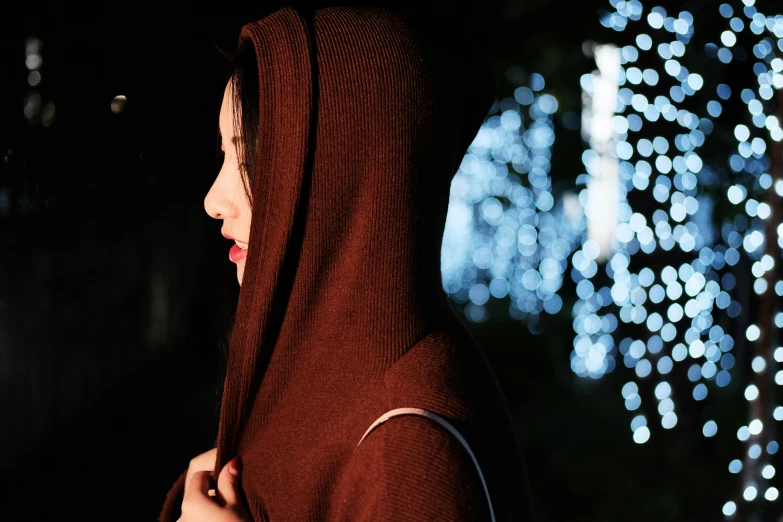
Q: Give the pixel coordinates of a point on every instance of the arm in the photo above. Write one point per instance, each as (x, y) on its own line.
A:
(409, 469)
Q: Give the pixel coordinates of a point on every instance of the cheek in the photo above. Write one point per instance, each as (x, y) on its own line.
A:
(245, 212)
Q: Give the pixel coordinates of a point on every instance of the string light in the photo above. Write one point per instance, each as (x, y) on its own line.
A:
(505, 234)
(671, 169)
(651, 285)
(35, 110)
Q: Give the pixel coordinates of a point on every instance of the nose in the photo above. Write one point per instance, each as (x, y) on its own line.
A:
(219, 205)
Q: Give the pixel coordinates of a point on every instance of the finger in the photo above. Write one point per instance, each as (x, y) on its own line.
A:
(200, 484)
(197, 506)
(202, 462)
(228, 484)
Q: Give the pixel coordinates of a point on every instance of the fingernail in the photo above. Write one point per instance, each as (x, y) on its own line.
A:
(235, 465)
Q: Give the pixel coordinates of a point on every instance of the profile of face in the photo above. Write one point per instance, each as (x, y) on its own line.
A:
(226, 198)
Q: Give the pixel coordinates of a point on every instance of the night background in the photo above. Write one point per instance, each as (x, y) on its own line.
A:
(612, 244)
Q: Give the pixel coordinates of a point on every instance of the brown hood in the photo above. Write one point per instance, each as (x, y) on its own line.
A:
(365, 117)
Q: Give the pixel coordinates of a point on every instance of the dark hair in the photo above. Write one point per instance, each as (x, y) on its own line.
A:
(243, 75)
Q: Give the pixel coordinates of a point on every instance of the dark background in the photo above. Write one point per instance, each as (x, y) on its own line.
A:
(115, 290)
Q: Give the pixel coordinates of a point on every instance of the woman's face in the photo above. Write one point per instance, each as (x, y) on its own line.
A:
(226, 199)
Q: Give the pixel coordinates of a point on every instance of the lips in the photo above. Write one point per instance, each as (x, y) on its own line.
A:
(237, 254)
(238, 251)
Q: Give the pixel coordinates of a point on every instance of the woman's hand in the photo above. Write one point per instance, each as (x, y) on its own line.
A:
(225, 506)
(203, 462)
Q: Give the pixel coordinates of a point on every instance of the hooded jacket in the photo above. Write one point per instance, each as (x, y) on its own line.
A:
(364, 118)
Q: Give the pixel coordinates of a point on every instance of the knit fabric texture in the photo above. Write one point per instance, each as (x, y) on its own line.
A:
(365, 117)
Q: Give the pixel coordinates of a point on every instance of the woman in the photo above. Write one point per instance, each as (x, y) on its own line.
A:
(342, 128)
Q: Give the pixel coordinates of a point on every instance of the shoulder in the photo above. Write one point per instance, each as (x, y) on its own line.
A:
(418, 442)
(446, 372)
(439, 362)
(411, 468)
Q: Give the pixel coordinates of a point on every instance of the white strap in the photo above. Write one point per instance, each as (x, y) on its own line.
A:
(446, 424)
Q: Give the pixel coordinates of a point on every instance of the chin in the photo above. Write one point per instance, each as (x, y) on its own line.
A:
(240, 272)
